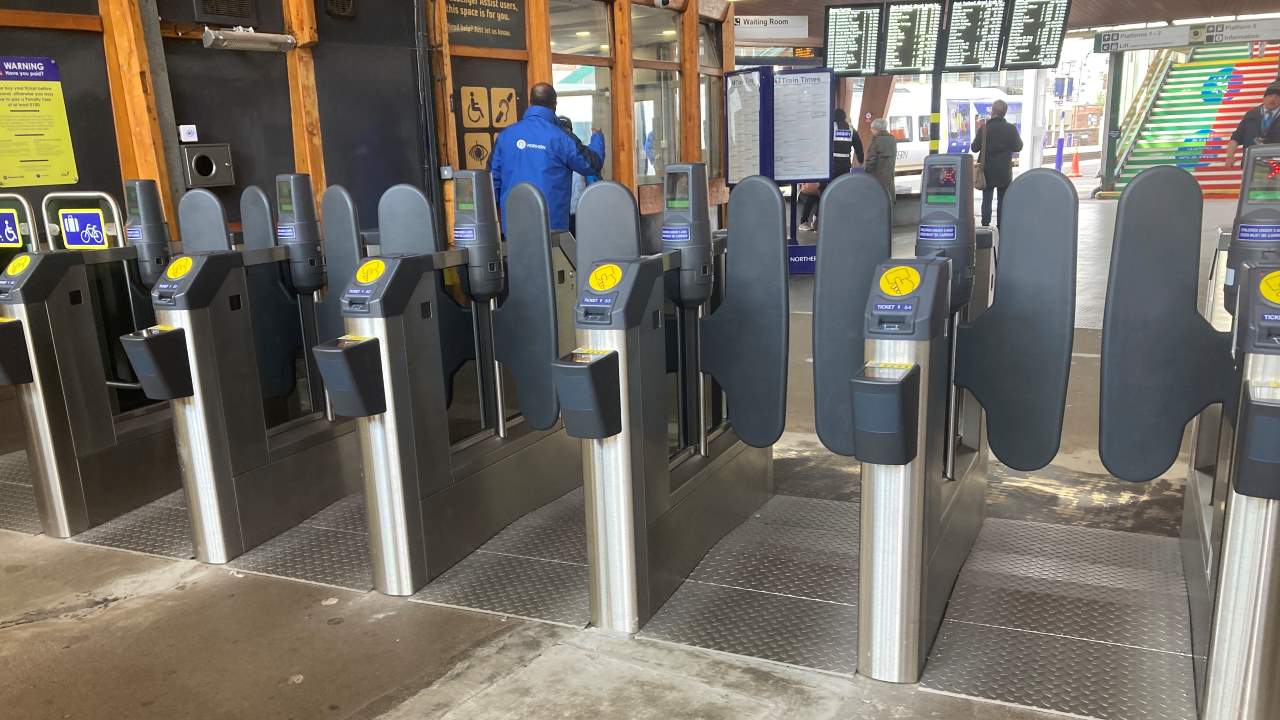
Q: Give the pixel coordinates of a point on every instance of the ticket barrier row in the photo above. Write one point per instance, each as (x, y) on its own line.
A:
(1166, 363)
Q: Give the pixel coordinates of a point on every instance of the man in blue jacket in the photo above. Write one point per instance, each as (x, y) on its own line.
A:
(536, 150)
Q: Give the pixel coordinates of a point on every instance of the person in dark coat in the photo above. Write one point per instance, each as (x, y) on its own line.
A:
(882, 158)
(996, 142)
(1259, 126)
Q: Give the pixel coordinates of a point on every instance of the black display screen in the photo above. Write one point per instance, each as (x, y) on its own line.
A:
(677, 191)
(284, 197)
(1264, 180)
(464, 194)
(973, 39)
(853, 39)
(1036, 30)
(131, 199)
(940, 185)
(911, 37)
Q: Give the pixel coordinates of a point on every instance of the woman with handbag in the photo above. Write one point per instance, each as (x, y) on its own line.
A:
(995, 144)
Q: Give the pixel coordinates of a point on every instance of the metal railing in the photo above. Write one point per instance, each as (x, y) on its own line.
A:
(1140, 109)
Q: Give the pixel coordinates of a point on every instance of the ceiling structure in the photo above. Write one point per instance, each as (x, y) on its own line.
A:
(1084, 13)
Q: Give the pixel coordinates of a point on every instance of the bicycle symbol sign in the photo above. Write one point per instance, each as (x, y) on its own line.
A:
(10, 235)
(83, 229)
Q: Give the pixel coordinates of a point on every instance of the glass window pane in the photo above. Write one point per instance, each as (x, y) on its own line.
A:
(709, 52)
(657, 122)
(583, 94)
(580, 27)
(655, 34)
(712, 124)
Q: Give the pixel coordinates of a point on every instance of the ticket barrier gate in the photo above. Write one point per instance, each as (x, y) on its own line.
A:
(430, 503)
(1163, 364)
(259, 455)
(19, 233)
(96, 449)
(651, 517)
(931, 374)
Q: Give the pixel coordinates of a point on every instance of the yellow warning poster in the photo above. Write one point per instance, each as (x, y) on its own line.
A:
(35, 140)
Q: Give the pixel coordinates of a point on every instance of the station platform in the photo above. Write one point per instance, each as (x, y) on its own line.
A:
(1074, 582)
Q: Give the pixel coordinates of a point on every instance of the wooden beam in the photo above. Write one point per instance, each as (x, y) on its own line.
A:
(50, 20)
(133, 99)
(181, 31)
(716, 10)
(537, 15)
(877, 91)
(300, 19)
(623, 94)
(593, 60)
(304, 100)
(493, 53)
(442, 89)
(690, 95)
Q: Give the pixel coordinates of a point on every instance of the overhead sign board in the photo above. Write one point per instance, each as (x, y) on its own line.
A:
(1238, 31)
(1036, 31)
(974, 34)
(911, 37)
(770, 27)
(853, 38)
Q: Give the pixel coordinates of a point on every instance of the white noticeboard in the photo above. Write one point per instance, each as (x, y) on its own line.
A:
(745, 117)
(802, 126)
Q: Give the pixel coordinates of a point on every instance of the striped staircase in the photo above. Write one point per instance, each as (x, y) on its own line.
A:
(1198, 107)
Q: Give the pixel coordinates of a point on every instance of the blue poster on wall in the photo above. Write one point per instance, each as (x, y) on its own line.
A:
(959, 132)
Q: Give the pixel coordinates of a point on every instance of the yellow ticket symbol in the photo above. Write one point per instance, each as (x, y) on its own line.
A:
(179, 268)
(900, 280)
(17, 265)
(370, 271)
(1271, 287)
(605, 277)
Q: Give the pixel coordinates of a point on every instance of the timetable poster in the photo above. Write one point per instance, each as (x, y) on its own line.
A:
(973, 40)
(746, 123)
(802, 104)
(911, 37)
(853, 38)
(1036, 30)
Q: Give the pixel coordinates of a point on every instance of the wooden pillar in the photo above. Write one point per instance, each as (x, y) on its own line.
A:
(690, 95)
(537, 14)
(133, 100)
(304, 107)
(877, 92)
(623, 92)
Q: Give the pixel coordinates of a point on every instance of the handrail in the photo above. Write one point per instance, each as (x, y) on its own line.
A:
(32, 228)
(1140, 110)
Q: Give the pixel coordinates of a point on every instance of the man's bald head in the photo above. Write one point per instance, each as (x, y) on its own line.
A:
(543, 95)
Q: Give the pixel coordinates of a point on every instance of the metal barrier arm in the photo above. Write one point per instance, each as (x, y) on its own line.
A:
(600, 235)
(202, 220)
(342, 252)
(854, 238)
(744, 342)
(526, 342)
(1162, 362)
(1016, 357)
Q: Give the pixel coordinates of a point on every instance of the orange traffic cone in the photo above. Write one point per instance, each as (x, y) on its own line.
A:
(1075, 163)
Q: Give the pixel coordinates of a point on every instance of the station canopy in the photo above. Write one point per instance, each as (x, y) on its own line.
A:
(1084, 13)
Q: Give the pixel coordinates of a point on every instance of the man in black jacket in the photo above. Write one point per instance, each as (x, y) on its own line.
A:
(1259, 126)
(996, 142)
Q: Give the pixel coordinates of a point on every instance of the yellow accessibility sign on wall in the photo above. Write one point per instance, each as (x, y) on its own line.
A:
(35, 139)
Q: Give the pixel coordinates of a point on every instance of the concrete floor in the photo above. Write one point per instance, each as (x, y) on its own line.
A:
(87, 632)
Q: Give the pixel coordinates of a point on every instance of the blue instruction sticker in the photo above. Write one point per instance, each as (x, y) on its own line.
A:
(895, 307)
(937, 232)
(675, 233)
(596, 300)
(83, 229)
(1258, 233)
(10, 230)
(464, 232)
(133, 232)
(285, 232)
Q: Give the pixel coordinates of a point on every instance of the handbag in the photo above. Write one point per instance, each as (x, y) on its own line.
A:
(979, 172)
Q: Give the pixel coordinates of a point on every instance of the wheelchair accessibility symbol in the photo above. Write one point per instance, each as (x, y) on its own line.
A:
(10, 236)
(82, 229)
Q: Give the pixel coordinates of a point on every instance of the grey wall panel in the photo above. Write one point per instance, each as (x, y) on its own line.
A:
(84, 87)
(270, 13)
(377, 22)
(80, 7)
(241, 98)
(369, 116)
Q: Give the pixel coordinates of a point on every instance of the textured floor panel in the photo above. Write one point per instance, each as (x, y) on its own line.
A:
(347, 514)
(1170, 600)
(18, 508)
(1078, 544)
(785, 560)
(556, 531)
(812, 513)
(1076, 571)
(539, 589)
(14, 468)
(177, 499)
(155, 529)
(1091, 619)
(1084, 678)
(319, 555)
(796, 631)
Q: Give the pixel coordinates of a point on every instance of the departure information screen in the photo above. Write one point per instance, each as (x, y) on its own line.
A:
(284, 197)
(1264, 182)
(1036, 29)
(853, 38)
(464, 194)
(940, 186)
(973, 40)
(911, 37)
(677, 191)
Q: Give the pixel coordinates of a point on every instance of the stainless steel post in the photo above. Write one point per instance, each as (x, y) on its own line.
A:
(499, 400)
(703, 449)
